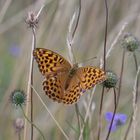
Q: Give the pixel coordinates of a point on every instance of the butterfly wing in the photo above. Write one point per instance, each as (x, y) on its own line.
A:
(49, 62)
(90, 76)
(54, 87)
(73, 91)
(84, 78)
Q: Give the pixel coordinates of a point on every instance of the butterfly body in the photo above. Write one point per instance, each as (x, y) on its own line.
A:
(64, 82)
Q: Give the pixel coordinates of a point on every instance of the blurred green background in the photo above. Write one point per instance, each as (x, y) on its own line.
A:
(15, 49)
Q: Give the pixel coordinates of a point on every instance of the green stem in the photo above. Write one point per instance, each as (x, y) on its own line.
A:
(78, 116)
(115, 107)
(100, 113)
(19, 136)
(33, 124)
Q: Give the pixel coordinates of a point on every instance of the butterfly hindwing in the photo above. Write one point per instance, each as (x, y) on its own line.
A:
(53, 88)
(73, 91)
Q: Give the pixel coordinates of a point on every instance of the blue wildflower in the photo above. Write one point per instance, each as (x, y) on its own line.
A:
(119, 120)
(14, 50)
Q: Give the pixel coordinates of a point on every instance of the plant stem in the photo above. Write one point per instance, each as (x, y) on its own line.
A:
(121, 77)
(100, 113)
(104, 66)
(34, 45)
(32, 123)
(77, 21)
(78, 117)
(115, 108)
(116, 98)
(87, 114)
(137, 84)
(136, 99)
(29, 91)
(58, 125)
(106, 28)
(70, 38)
(30, 82)
(19, 136)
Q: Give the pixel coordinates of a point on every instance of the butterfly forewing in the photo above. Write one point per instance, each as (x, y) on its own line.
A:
(49, 62)
(90, 76)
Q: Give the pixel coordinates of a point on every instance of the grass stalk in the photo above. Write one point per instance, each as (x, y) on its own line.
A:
(135, 99)
(29, 105)
(87, 114)
(32, 123)
(70, 39)
(30, 82)
(58, 125)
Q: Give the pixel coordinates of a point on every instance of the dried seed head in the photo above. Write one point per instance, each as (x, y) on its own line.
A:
(32, 20)
(130, 42)
(111, 80)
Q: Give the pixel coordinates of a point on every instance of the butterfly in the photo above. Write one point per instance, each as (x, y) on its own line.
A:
(62, 81)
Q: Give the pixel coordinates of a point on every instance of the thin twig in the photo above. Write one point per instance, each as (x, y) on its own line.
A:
(135, 104)
(78, 17)
(78, 116)
(33, 47)
(136, 96)
(58, 125)
(114, 112)
(19, 135)
(32, 123)
(104, 66)
(128, 128)
(72, 31)
(30, 82)
(116, 39)
(29, 96)
(106, 28)
(116, 100)
(70, 39)
(87, 114)
(121, 76)
(137, 84)
(100, 114)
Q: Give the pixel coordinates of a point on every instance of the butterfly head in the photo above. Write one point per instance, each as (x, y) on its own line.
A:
(73, 70)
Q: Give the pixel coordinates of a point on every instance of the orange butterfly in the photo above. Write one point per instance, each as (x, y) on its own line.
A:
(63, 82)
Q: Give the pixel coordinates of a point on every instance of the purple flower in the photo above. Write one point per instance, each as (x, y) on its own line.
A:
(119, 120)
(14, 50)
